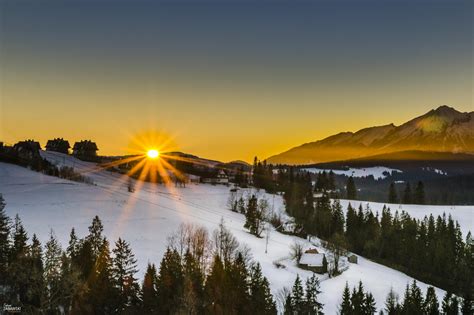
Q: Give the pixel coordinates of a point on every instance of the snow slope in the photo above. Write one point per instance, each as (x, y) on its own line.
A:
(146, 218)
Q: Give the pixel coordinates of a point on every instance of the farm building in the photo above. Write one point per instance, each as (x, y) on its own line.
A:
(314, 261)
(220, 178)
(85, 150)
(352, 259)
(58, 145)
(27, 150)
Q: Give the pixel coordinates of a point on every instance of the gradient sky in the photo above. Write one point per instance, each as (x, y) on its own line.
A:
(227, 79)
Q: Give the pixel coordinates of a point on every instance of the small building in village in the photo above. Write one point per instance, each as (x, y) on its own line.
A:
(219, 178)
(27, 150)
(352, 259)
(85, 150)
(314, 261)
(222, 177)
(58, 145)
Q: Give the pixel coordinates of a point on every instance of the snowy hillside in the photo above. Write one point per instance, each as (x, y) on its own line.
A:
(148, 216)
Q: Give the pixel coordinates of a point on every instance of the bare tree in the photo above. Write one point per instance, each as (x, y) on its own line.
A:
(225, 243)
(262, 215)
(192, 239)
(180, 239)
(233, 200)
(246, 254)
(296, 251)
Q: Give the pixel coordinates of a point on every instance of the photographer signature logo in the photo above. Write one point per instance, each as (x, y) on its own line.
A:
(8, 309)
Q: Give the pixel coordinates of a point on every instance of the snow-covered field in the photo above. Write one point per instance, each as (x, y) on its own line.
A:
(379, 172)
(148, 216)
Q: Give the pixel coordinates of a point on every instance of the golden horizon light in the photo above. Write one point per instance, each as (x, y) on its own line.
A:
(153, 153)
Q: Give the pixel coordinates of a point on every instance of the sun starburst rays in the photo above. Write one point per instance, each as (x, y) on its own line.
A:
(153, 162)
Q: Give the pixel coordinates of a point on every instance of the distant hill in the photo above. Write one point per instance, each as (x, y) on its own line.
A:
(442, 130)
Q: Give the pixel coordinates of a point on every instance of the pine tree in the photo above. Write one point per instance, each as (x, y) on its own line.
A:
(297, 296)
(170, 283)
(392, 307)
(346, 306)
(241, 205)
(18, 269)
(149, 290)
(467, 305)
(215, 288)
(392, 194)
(419, 197)
(416, 298)
(325, 264)
(386, 233)
(407, 198)
(357, 299)
(351, 190)
(323, 217)
(369, 304)
(237, 296)
(124, 268)
(20, 238)
(261, 300)
(312, 305)
(36, 285)
(450, 304)
(69, 283)
(73, 244)
(337, 218)
(254, 216)
(95, 236)
(193, 293)
(455, 305)
(351, 226)
(4, 241)
(102, 295)
(288, 309)
(36, 253)
(331, 181)
(84, 261)
(431, 305)
(413, 301)
(52, 272)
(189, 302)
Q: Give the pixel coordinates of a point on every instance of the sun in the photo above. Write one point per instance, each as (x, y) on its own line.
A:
(153, 154)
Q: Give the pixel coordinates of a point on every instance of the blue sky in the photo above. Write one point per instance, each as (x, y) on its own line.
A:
(284, 66)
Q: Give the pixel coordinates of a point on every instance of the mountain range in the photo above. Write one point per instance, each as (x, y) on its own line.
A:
(442, 130)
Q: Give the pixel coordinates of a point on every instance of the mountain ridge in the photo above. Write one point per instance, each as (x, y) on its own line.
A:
(443, 129)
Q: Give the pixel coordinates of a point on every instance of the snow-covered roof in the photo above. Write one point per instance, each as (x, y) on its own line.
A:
(312, 260)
